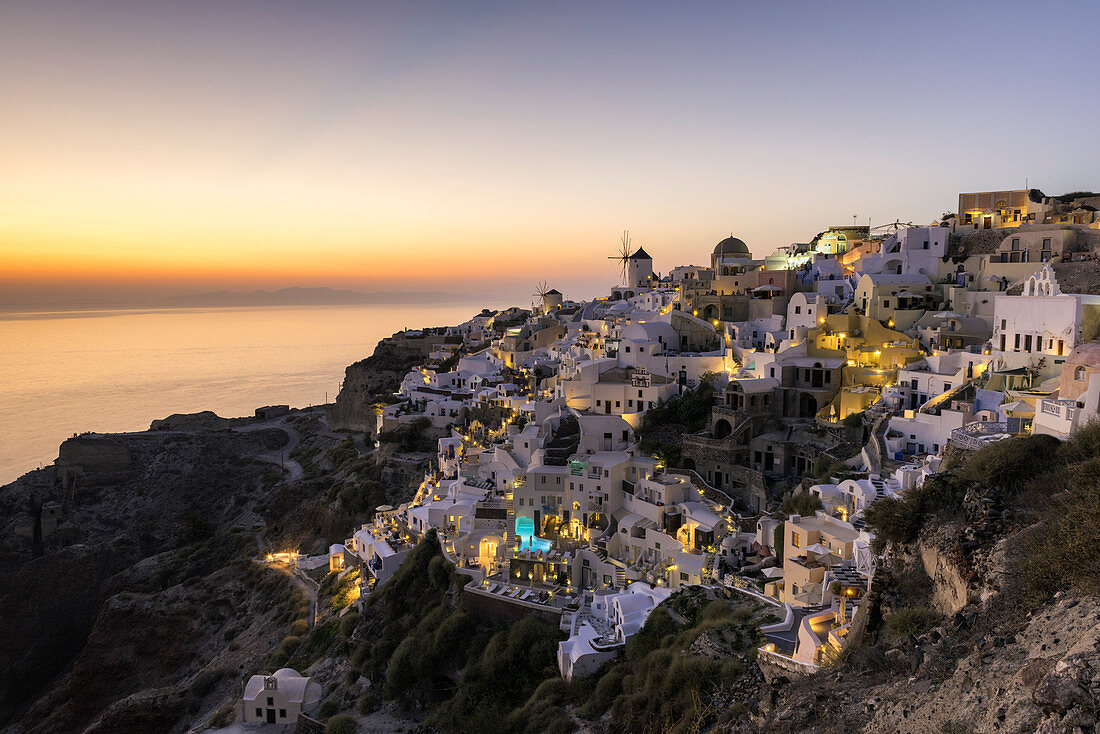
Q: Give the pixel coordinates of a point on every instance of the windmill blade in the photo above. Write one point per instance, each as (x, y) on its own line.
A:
(624, 253)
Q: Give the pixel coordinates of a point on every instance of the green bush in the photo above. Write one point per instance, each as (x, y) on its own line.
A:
(349, 623)
(801, 504)
(911, 621)
(1009, 464)
(299, 627)
(1062, 551)
(327, 709)
(603, 695)
(341, 724)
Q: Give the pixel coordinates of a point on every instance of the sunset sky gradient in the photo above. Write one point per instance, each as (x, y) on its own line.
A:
(164, 147)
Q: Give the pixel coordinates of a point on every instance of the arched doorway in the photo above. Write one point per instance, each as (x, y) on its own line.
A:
(722, 428)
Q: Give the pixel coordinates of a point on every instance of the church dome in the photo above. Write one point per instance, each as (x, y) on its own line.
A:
(732, 246)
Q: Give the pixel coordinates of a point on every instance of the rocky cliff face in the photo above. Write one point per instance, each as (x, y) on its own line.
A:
(379, 374)
(71, 606)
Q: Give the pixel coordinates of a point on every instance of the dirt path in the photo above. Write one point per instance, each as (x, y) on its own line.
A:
(280, 456)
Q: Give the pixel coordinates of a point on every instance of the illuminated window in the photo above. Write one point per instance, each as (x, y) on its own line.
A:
(796, 541)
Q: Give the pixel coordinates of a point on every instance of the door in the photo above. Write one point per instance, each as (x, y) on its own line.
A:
(607, 407)
(271, 716)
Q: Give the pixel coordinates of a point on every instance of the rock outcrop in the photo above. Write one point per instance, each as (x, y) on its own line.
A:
(381, 373)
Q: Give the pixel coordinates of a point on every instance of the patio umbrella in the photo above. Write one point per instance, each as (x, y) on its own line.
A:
(949, 315)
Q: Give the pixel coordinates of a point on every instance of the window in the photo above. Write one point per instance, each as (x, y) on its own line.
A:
(1015, 243)
(1017, 342)
(683, 576)
(886, 303)
(282, 713)
(617, 403)
(1004, 324)
(270, 701)
(639, 393)
(925, 245)
(542, 480)
(1079, 374)
(598, 403)
(259, 712)
(798, 309)
(796, 541)
(657, 546)
(557, 480)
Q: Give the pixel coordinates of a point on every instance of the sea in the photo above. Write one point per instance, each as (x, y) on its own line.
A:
(67, 372)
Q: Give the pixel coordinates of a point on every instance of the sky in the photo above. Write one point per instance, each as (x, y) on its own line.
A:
(151, 148)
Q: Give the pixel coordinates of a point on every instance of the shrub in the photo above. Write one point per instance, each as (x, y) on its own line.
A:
(299, 627)
(328, 709)
(1010, 463)
(349, 623)
(801, 504)
(853, 420)
(603, 695)
(1063, 550)
(205, 682)
(341, 724)
(911, 621)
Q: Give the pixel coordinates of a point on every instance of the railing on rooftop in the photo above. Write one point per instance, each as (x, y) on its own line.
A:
(970, 436)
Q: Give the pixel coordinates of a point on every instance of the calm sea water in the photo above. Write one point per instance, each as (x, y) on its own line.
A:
(114, 371)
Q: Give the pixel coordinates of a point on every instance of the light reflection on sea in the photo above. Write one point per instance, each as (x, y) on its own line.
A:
(112, 371)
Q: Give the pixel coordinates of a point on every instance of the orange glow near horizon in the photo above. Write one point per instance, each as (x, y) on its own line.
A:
(379, 146)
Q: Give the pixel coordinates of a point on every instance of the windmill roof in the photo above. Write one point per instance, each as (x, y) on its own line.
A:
(640, 254)
(553, 292)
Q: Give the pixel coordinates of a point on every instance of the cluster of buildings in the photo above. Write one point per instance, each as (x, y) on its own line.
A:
(956, 333)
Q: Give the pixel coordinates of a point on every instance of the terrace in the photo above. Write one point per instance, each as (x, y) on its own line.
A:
(979, 434)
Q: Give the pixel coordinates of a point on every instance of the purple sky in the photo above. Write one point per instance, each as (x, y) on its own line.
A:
(181, 146)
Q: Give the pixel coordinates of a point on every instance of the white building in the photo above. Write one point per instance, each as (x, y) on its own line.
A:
(597, 632)
(279, 698)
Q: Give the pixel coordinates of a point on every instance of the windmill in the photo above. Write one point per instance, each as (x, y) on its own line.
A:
(893, 226)
(624, 253)
(541, 289)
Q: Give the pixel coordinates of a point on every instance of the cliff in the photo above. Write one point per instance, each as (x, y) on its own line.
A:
(103, 598)
(377, 376)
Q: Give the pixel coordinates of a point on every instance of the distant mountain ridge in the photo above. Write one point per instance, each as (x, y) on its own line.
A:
(319, 296)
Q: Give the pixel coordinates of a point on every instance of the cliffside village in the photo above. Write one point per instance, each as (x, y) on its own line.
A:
(844, 368)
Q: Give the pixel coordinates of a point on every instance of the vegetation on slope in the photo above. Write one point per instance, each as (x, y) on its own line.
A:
(689, 412)
(1055, 483)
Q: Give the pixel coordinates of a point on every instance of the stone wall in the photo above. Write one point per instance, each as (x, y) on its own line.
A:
(481, 602)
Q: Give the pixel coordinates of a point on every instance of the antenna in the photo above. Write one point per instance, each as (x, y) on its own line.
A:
(624, 254)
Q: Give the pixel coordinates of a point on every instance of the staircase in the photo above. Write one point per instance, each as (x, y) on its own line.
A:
(510, 502)
(620, 578)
